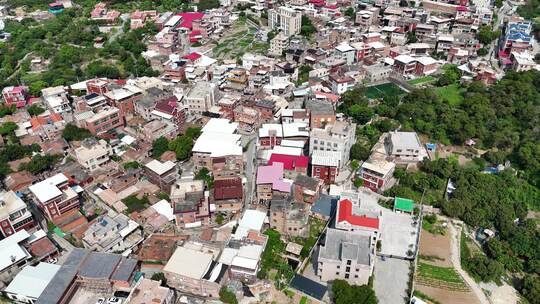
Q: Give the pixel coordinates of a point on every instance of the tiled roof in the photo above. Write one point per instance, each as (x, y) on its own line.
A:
(228, 188)
(290, 162)
(345, 214)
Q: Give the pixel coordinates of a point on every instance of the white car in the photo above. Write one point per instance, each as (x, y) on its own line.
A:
(114, 300)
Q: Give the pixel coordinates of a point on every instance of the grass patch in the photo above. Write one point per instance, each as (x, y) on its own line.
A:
(451, 94)
(445, 274)
(133, 203)
(303, 300)
(381, 90)
(421, 80)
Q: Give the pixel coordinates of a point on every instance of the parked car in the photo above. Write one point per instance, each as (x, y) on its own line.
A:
(114, 300)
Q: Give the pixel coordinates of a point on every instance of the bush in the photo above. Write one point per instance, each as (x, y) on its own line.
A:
(227, 296)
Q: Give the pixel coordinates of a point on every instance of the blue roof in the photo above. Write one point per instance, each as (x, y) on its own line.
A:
(325, 205)
(308, 287)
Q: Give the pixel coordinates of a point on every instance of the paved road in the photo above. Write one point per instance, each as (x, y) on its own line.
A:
(455, 234)
(251, 168)
(391, 280)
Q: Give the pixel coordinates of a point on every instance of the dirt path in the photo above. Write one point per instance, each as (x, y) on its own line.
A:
(455, 233)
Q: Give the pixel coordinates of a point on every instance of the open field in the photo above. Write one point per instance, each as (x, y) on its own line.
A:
(421, 80)
(435, 275)
(451, 94)
(381, 90)
(242, 39)
(436, 247)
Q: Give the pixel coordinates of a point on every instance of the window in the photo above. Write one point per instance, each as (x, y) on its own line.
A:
(348, 269)
(346, 276)
(355, 276)
(398, 150)
(337, 272)
(348, 262)
(338, 266)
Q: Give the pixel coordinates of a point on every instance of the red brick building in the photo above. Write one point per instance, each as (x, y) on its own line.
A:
(228, 194)
(307, 189)
(325, 165)
(54, 196)
(377, 175)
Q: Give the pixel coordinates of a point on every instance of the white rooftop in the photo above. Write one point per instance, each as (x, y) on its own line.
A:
(47, 189)
(159, 167)
(188, 262)
(325, 158)
(32, 280)
(164, 208)
(10, 250)
(379, 166)
(220, 125)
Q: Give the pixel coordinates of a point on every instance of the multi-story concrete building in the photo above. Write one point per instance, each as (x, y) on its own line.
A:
(124, 98)
(286, 19)
(158, 128)
(289, 218)
(339, 137)
(278, 44)
(92, 154)
(346, 255)
(247, 118)
(193, 271)
(271, 135)
(200, 98)
(162, 174)
(14, 214)
(341, 83)
(54, 196)
(106, 119)
(321, 113)
(404, 145)
(190, 202)
(218, 149)
(112, 234)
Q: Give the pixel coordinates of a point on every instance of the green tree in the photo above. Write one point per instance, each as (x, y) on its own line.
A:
(131, 165)
(160, 146)
(307, 28)
(227, 296)
(482, 52)
(35, 87)
(361, 114)
(40, 163)
(411, 37)
(486, 34)
(349, 12)
(8, 128)
(159, 276)
(205, 175)
(343, 293)
(73, 133)
(35, 110)
(360, 152)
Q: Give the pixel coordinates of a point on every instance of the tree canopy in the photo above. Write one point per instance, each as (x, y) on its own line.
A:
(71, 132)
(343, 293)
